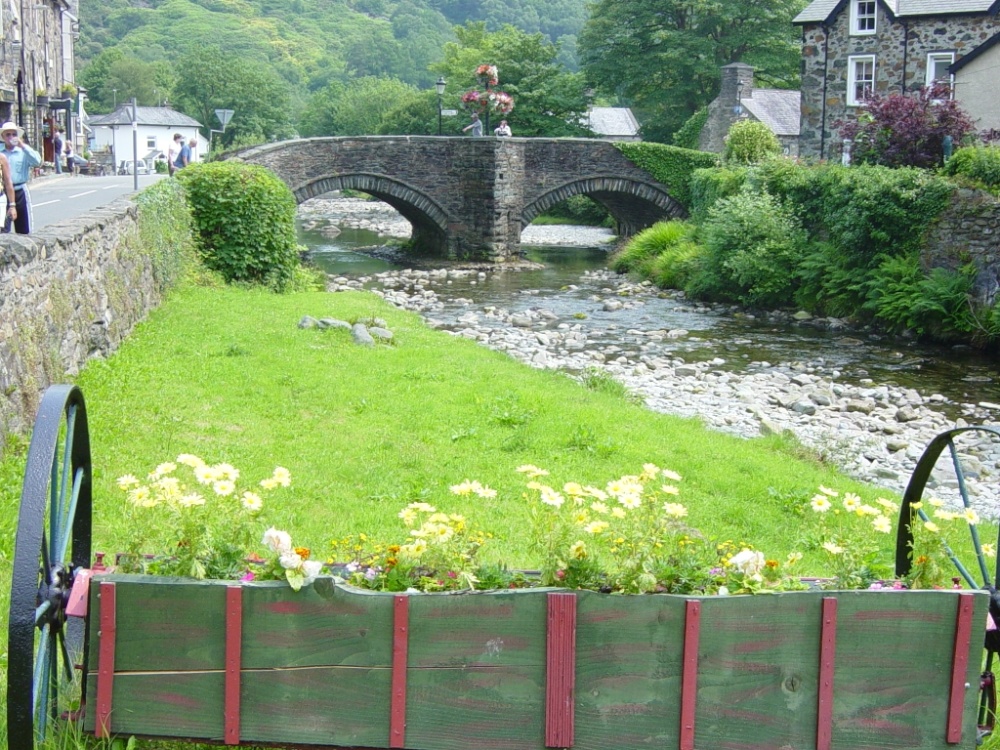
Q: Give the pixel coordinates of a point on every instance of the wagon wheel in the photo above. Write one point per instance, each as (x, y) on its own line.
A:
(988, 580)
(52, 544)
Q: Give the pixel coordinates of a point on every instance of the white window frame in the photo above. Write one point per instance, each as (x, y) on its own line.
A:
(852, 78)
(864, 24)
(932, 59)
(151, 141)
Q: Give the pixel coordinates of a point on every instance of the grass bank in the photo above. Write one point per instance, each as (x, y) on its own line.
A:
(228, 375)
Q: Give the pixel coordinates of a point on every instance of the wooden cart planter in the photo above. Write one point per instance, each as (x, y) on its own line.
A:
(258, 663)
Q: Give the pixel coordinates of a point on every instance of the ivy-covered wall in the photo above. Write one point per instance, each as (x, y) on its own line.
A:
(670, 165)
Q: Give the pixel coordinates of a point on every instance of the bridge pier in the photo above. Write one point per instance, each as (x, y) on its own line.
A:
(469, 198)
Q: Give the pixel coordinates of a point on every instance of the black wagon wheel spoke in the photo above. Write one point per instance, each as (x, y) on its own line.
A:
(52, 544)
(988, 579)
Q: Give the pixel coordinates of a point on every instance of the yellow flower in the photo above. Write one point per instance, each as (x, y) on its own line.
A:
(887, 504)
(833, 548)
(596, 527)
(931, 527)
(191, 500)
(574, 489)
(252, 501)
(827, 491)
(945, 515)
(282, 476)
(127, 481)
(190, 460)
(598, 507)
(224, 487)
(578, 550)
(989, 550)
(820, 503)
(596, 493)
(205, 474)
(851, 502)
(532, 471)
(465, 488)
(269, 484)
(916, 506)
(162, 470)
(935, 502)
(227, 471)
(649, 471)
(669, 489)
(618, 512)
(793, 557)
(673, 476)
(675, 510)
(882, 524)
(971, 516)
(551, 497)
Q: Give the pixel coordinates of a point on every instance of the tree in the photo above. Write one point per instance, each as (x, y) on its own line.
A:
(750, 142)
(548, 100)
(258, 96)
(355, 108)
(906, 130)
(663, 56)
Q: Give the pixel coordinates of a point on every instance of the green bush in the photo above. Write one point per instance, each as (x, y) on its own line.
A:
(753, 245)
(640, 252)
(750, 142)
(165, 231)
(981, 164)
(579, 209)
(676, 265)
(689, 134)
(245, 219)
(670, 165)
(708, 186)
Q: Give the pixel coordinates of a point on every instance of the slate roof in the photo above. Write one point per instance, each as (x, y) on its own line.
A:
(612, 121)
(823, 10)
(777, 109)
(164, 116)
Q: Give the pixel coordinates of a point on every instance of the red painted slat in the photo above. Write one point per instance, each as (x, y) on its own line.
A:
(959, 667)
(827, 661)
(400, 646)
(560, 670)
(234, 639)
(689, 672)
(105, 661)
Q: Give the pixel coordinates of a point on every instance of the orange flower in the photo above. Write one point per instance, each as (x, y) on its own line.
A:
(302, 552)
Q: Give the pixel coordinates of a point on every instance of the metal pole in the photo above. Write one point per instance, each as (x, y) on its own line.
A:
(439, 114)
(135, 147)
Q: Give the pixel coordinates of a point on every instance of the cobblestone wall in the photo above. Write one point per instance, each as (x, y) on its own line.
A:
(70, 293)
(969, 231)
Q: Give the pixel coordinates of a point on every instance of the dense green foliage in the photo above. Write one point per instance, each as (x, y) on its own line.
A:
(670, 165)
(834, 241)
(165, 231)
(750, 142)
(663, 56)
(979, 164)
(689, 134)
(245, 219)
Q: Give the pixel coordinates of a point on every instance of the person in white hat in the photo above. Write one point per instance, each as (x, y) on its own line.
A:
(21, 158)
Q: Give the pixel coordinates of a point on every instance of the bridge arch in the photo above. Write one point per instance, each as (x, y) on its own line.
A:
(634, 204)
(428, 218)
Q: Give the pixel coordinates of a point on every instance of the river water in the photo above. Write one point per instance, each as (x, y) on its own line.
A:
(568, 286)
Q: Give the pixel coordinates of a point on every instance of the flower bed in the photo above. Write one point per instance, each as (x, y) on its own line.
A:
(335, 665)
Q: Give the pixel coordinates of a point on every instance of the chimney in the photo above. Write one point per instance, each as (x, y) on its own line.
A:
(732, 76)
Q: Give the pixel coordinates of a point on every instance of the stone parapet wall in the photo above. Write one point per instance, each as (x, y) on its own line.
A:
(70, 293)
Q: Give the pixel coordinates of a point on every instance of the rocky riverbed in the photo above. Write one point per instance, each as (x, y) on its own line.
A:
(874, 432)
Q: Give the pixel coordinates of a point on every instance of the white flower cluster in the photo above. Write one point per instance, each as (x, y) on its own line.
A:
(299, 570)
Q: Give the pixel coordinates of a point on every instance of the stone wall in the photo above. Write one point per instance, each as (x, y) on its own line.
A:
(70, 293)
(900, 47)
(969, 231)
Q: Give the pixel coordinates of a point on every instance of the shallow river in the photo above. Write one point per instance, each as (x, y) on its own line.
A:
(959, 374)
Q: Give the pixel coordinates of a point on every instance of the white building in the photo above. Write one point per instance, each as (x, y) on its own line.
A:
(111, 135)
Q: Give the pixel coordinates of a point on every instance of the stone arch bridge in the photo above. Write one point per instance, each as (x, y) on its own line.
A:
(469, 198)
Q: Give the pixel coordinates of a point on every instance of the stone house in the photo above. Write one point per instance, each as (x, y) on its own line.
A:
(851, 48)
(37, 74)
(738, 99)
(111, 134)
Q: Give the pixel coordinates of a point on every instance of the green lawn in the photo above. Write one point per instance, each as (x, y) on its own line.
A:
(227, 374)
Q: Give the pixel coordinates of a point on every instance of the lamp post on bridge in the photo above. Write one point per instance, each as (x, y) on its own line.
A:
(440, 86)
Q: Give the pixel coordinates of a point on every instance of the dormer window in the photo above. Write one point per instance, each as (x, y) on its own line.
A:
(862, 17)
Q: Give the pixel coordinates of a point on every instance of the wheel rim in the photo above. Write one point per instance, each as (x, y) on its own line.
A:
(988, 581)
(52, 543)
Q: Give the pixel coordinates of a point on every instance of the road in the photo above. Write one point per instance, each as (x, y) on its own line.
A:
(58, 197)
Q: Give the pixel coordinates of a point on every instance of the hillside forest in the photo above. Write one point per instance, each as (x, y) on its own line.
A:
(352, 67)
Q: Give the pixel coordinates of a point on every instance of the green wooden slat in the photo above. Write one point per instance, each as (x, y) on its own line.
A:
(758, 667)
(322, 625)
(164, 624)
(184, 705)
(629, 652)
(317, 706)
(476, 675)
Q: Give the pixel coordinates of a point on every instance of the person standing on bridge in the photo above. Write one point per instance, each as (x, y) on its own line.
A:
(502, 130)
(476, 126)
(21, 158)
